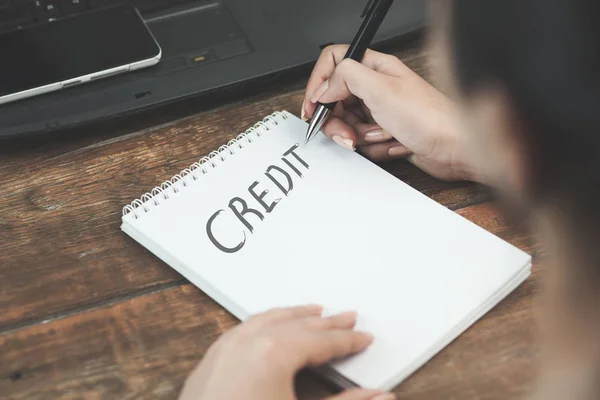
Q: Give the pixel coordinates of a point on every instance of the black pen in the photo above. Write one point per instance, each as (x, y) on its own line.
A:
(373, 15)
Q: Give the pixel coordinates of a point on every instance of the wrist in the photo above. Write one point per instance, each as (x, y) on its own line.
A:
(457, 150)
(462, 164)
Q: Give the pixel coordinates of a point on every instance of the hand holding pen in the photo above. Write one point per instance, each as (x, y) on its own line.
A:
(373, 14)
(386, 111)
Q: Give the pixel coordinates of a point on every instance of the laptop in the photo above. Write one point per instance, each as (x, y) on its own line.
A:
(208, 46)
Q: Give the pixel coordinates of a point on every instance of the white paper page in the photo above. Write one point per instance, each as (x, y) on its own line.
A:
(348, 236)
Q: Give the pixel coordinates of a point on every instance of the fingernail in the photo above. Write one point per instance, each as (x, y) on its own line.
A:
(384, 396)
(344, 142)
(377, 136)
(349, 314)
(369, 338)
(397, 151)
(314, 307)
(317, 95)
(303, 112)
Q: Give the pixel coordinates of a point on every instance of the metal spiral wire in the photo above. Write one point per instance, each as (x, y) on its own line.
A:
(203, 166)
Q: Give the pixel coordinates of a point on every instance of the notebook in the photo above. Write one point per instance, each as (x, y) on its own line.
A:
(269, 221)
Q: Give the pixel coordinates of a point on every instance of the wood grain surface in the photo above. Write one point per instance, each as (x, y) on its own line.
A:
(87, 313)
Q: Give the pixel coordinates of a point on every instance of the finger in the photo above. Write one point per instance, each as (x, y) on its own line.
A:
(322, 347)
(399, 151)
(370, 133)
(281, 314)
(331, 56)
(351, 102)
(334, 55)
(358, 111)
(344, 134)
(338, 110)
(328, 60)
(345, 320)
(362, 394)
(366, 112)
(341, 133)
(351, 116)
(352, 78)
(383, 151)
(353, 110)
(365, 133)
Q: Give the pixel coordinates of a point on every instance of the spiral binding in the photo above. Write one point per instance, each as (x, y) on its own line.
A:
(203, 166)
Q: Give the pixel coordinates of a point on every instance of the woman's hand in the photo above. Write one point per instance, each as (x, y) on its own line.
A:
(259, 359)
(387, 111)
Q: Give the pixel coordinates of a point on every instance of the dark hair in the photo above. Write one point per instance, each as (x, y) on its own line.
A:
(546, 55)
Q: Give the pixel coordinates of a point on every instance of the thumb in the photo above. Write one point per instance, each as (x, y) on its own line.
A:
(363, 394)
(352, 78)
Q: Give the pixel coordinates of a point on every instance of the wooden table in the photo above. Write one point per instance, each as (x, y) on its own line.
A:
(87, 313)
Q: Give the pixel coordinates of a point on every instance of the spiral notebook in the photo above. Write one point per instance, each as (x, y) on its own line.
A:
(267, 221)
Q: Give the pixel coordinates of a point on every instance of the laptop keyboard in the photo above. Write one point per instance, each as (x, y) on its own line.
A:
(15, 14)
